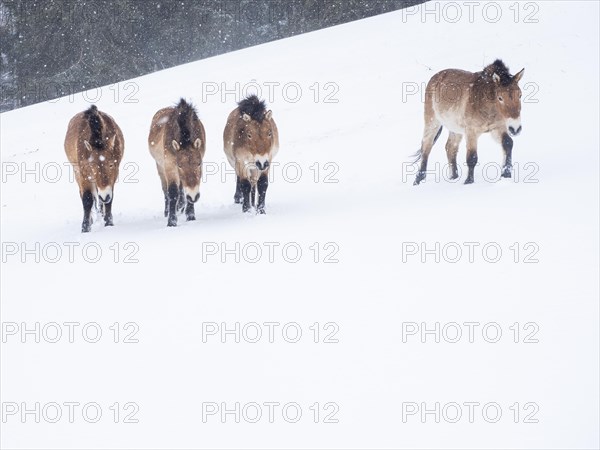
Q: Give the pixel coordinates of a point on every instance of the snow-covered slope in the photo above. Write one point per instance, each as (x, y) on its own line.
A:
(342, 187)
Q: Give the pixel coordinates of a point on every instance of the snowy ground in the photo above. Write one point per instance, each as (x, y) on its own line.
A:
(342, 184)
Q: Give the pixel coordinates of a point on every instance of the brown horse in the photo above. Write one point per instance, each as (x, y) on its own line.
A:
(94, 146)
(471, 104)
(177, 142)
(251, 141)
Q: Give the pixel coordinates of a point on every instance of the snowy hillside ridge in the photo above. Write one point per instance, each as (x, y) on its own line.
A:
(56, 48)
(361, 311)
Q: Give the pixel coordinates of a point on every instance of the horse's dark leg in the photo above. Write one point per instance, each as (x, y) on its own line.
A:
(98, 208)
(471, 158)
(87, 199)
(246, 188)
(181, 201)
(451, 151)
(471, 163)
(507, 146)
(163, 183)
(263, 184)
(253, 196)
(430, 136)
(173, 198)
(237, 198)
(190, 213)
(108, 217)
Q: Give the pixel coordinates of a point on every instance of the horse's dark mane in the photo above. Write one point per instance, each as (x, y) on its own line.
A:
(499, 68)
(254, 107)
(93, 118)
(185, 113)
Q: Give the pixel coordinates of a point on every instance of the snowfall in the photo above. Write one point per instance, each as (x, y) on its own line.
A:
(370, 313)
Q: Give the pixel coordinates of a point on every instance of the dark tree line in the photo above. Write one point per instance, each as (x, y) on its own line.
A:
(51, 48)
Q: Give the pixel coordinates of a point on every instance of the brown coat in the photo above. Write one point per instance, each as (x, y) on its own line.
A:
(251, 142)
(471, 104)
(94, 145)
(177, 142)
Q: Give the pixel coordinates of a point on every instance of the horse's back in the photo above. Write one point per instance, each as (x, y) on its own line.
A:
(275, 145)
(74, 136)
(159, 123)
(79, 130)
(202, 132)
(229, 136)
(452, 76)
(163, 124)
(156, 136)
(448, 82)
(447, 97)
(112, 128)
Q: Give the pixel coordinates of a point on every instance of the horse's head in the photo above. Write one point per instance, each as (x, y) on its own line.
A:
(103, 159)
(257, 137)
(189, 165)
(256, 133)
(508, 97)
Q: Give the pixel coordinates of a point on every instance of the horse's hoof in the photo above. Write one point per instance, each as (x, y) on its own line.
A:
(420, 177)
(172, 223)
(86, 228)
(237, 200)
(109, 224)
(260, 211)
(245, 208)
(469, 181)
(507, 174)
(190, 218)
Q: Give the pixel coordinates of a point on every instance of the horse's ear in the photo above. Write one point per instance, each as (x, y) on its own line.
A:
(268, 115)
(87, 145)
(175, 145)
(246, 117)
(496, 78)
(197, 143)
(518, 76)
(113, 140)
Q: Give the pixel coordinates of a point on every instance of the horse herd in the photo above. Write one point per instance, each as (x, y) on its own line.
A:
(177, 141)
(468, 104)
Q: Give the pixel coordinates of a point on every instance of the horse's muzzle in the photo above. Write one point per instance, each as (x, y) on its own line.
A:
(263, 165)
(105, 195)
(106, 199)
(514, 132)
(193, 200)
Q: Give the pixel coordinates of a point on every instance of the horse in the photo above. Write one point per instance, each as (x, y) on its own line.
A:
(251, 141)
(94, 145)
(177, 142)
(471, 104)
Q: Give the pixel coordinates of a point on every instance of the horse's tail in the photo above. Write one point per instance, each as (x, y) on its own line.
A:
(419, 154)
(416, 157)
(93, 117)
(185, 113)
